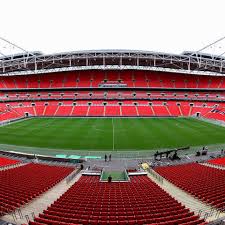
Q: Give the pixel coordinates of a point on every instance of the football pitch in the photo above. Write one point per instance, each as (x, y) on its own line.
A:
(112, 134)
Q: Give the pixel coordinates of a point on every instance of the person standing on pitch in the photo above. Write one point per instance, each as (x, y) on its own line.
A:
(110, 157)
(105, 158)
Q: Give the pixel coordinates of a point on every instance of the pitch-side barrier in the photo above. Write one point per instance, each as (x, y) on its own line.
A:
(97, 154)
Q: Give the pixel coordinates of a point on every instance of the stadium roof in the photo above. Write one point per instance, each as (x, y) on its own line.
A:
(36, 62)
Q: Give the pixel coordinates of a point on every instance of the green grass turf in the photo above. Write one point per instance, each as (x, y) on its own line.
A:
(109, 134)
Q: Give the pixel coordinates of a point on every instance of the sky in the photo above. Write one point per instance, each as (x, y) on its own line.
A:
(53, 26)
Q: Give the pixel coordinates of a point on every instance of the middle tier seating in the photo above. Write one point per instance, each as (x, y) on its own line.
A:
(205, 183)
(111, 94)
(140, 201)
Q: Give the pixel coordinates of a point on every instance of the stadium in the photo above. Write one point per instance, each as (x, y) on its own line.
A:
(112, 137)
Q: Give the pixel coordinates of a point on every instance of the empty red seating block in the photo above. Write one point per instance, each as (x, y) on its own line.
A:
(140, 201)
(129, 111)
(219, 161)
(205, 183)
(7, 161)
(217, 114)
(7, 113)
(21, 184)
(96, 111)
(94, 78)
(112, 110)
(128, 108)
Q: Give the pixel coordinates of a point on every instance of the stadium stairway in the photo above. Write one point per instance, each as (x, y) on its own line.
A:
(12, 166)
(41, 203)
(213, 166)
(204, 211)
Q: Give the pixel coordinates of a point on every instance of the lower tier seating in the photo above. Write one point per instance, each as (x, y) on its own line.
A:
(105, 108)
(7, 161)
(219, 161)
(20, 185)
(140, 201)
(217, 114)
(205, 183)
(9, 113)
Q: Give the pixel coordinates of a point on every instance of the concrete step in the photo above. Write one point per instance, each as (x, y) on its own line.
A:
(12, 166)
(213, 166)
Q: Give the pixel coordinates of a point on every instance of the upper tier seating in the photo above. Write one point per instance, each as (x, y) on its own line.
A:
(20, 185)
(7, 161)
(94, 78)
(205, 183)
(140, 201)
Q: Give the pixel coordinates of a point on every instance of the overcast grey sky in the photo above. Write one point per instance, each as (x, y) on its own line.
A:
(160, 25)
